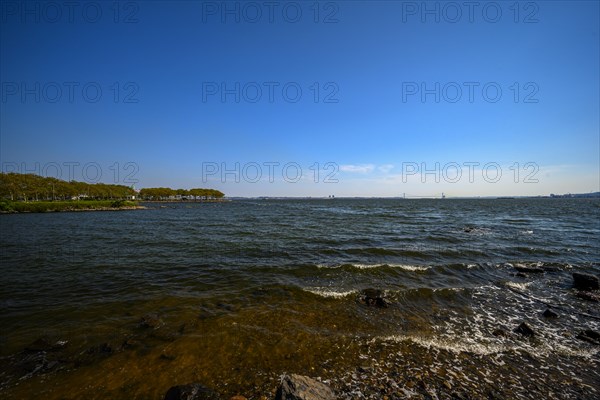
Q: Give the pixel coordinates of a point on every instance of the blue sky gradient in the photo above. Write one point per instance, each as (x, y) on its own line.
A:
(161, 66)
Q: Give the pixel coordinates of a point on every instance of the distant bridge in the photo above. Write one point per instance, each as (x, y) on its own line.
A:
(435, 196)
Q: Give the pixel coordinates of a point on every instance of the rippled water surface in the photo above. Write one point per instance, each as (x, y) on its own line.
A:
(126, 304)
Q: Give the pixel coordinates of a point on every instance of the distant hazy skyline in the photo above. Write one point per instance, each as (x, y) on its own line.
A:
(305, 98)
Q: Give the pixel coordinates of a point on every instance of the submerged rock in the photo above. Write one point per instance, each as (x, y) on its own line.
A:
(549, 314)
(585, 281)
(374, 297)
(151, 321)
(297, 387)
(524, 330)
(103, 348)
(192, 391)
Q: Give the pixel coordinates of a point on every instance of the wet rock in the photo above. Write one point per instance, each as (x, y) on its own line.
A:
(151, 321)
(374, 297)
(585, 281)
(590, 336)
(548, 267)
(589, 296)
(500, 333)
(549, 314)
(521, 275)
(529, 269)
(192, 391)
(524, 330)
(238, 398)
(297, 387)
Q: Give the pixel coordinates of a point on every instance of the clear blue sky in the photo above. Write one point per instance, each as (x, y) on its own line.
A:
(369, 63)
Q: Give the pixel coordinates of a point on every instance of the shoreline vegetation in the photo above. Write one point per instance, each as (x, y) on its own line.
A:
(30, 193)
(16, 207)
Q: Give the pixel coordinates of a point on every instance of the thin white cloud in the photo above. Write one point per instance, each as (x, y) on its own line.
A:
(361, 169)
(385, 168)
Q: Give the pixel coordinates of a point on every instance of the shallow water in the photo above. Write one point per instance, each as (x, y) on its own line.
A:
(247, 290)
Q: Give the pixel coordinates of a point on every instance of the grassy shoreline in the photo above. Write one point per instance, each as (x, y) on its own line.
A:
(16, 207)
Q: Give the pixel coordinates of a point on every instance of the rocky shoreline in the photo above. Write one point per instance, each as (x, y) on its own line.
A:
(394, 368)
(393, 378)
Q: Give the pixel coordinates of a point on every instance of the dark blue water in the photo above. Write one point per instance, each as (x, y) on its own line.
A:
(257, 283)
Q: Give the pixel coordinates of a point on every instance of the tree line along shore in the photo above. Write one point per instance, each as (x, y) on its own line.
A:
(34, 193)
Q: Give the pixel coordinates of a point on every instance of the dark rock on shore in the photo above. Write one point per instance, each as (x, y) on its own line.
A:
(499, 332)
(585, 281)
(297, 387)
(374, 297)
(589, 296)
(549, 314)
(524, 330)
(590, 336)
(192, 391)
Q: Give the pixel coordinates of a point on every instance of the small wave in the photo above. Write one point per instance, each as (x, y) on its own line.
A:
(405, 267)
(478, 346)
(329, 293)
(518, 285)
(465, 346)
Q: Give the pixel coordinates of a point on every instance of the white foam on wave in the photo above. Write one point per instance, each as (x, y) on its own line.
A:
(329, 292)
(519, 285)
(476, 345)
(458, 346)
(410, 267)
(405, 267)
